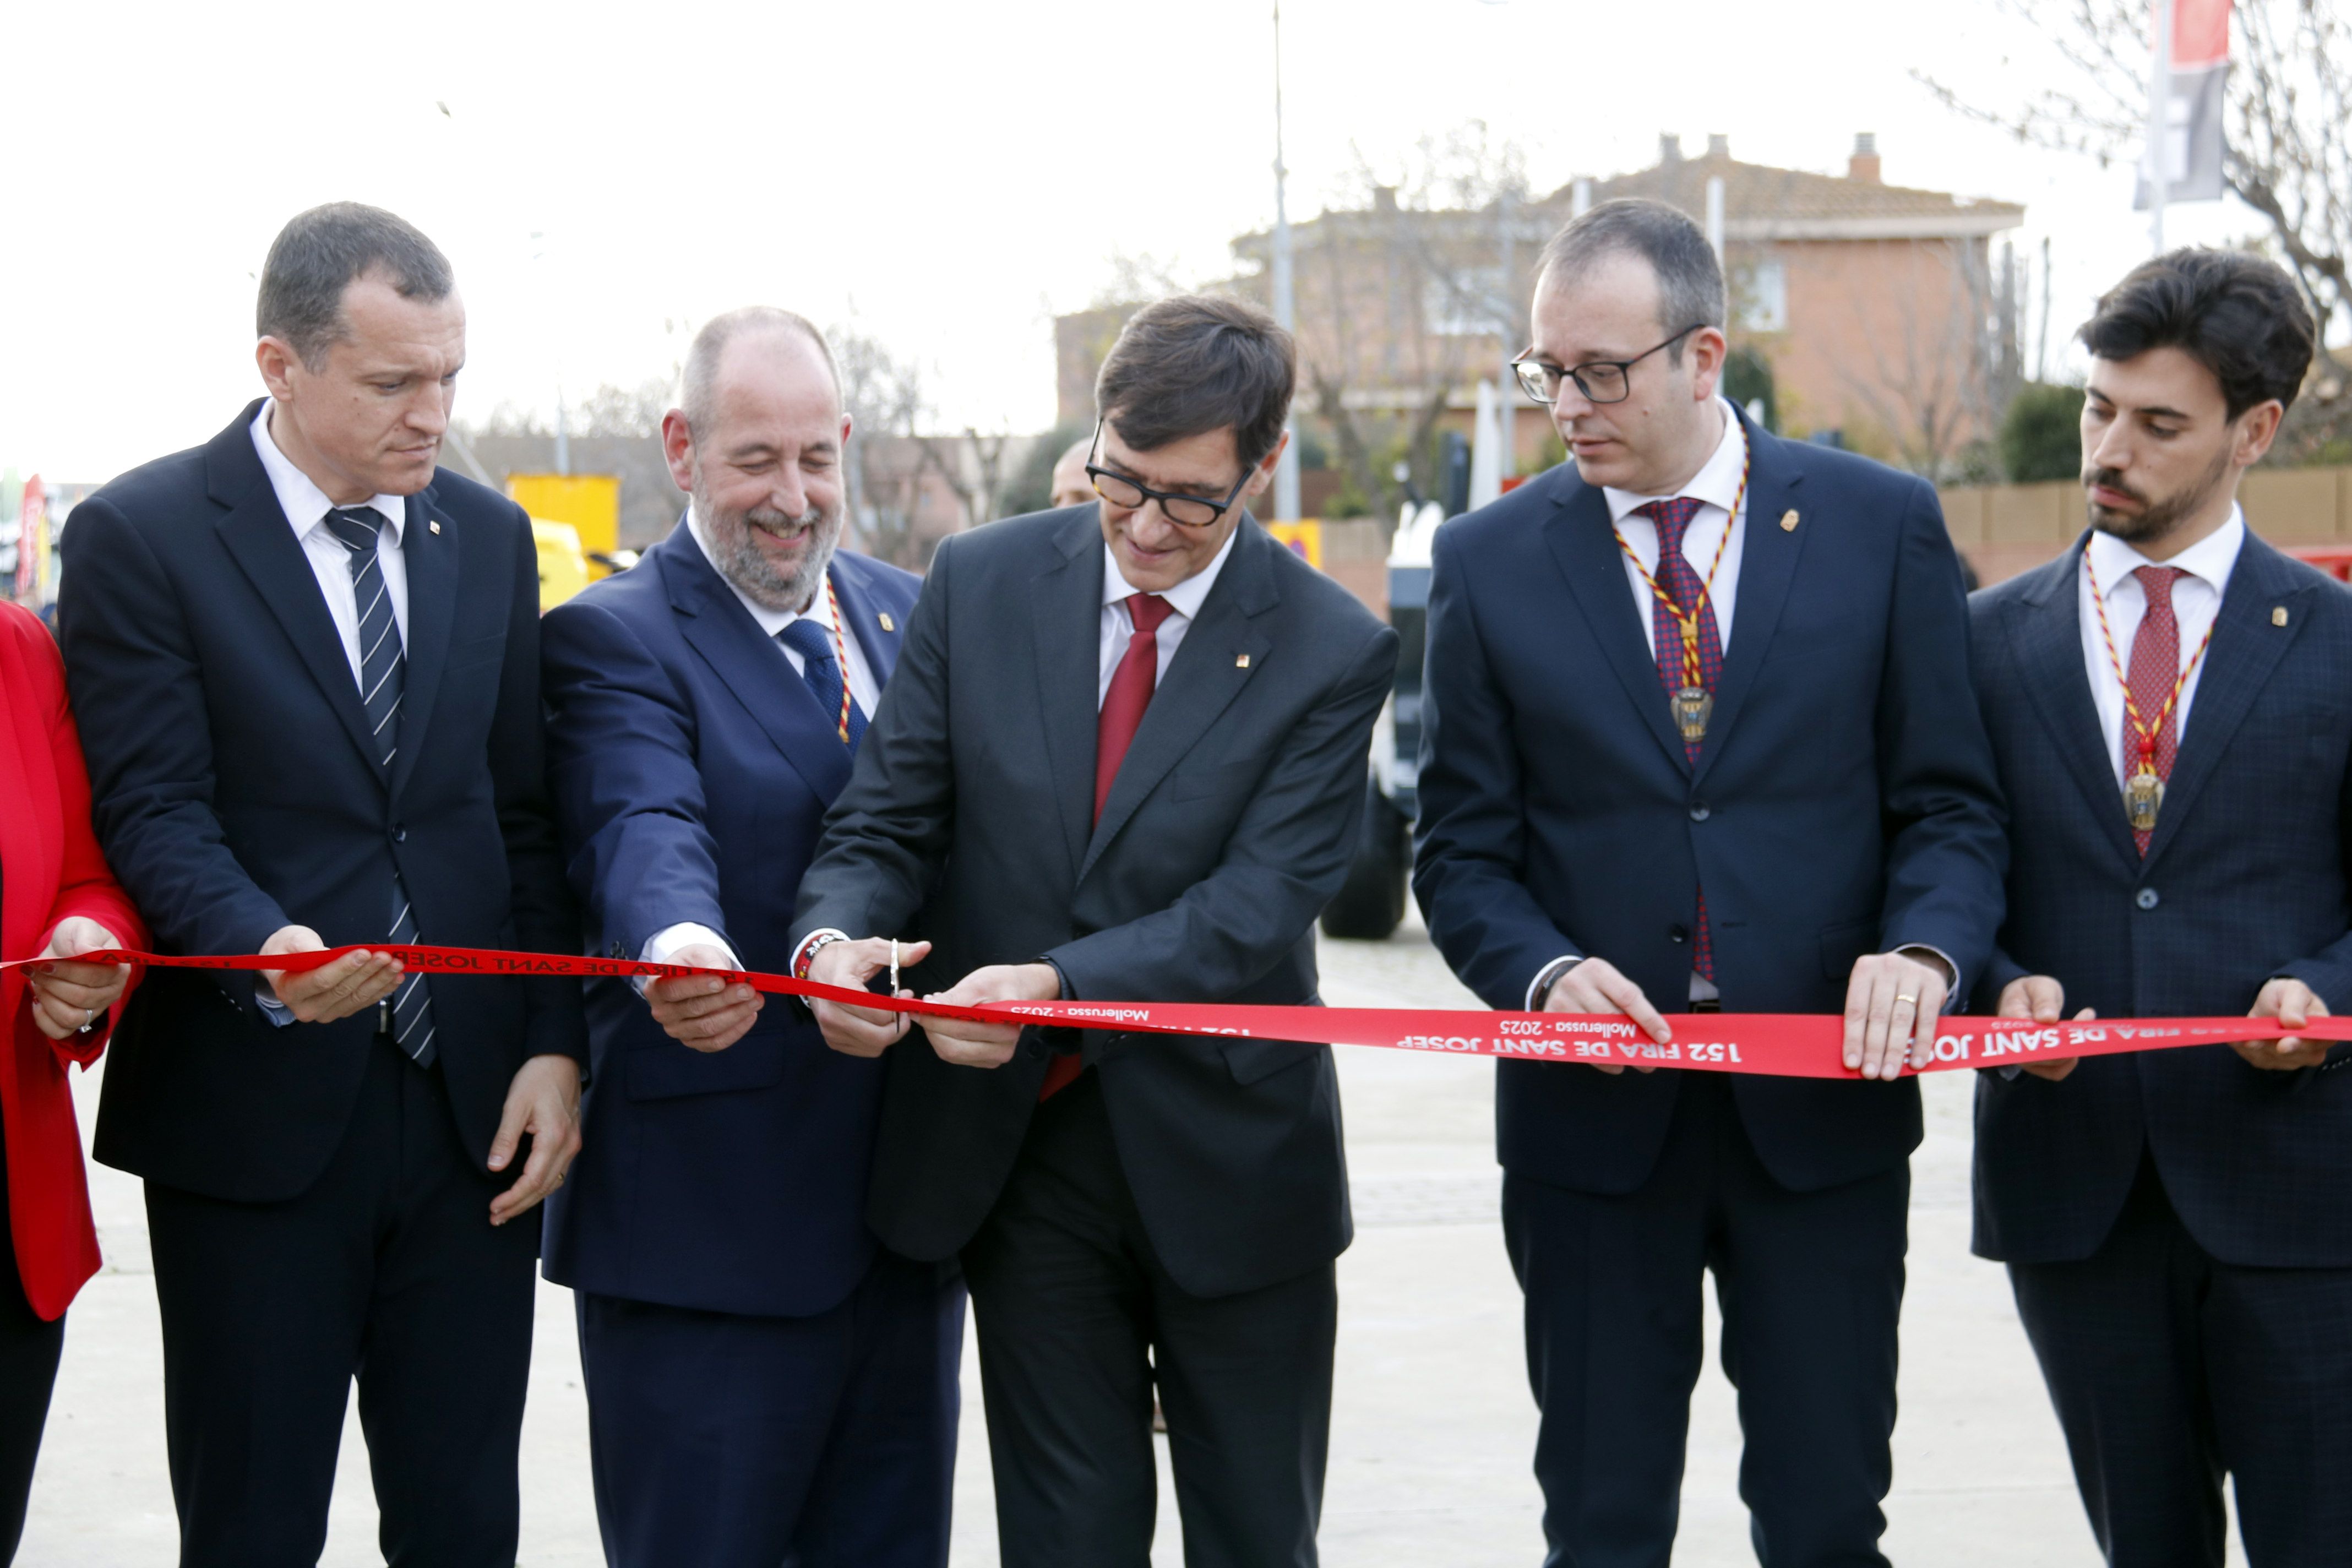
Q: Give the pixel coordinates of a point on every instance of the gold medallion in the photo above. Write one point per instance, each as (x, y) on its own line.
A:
(1694, 705)
(2143, 798)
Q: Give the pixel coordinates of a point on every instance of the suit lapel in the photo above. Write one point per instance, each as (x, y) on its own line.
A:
(261, 540)
(2246, 648)
(1584, 546)
(1065, 626)
(750, 665)
(2046, 631)
(864, 622)
(1767, 565)
(1207, 673)
(430, 560)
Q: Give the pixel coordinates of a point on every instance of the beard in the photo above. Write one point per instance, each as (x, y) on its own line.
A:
(2157, 518)
(740, 561)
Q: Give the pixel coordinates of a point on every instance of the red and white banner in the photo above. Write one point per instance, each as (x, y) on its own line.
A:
(2192, 74)
(1776, 1044)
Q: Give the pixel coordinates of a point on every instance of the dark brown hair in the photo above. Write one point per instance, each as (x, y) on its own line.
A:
(2237, 315)
(1197, 363)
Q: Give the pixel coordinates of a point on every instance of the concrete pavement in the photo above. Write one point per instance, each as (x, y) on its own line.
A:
(1432, 1428)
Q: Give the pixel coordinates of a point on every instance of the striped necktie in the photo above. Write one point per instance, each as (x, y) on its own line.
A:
(408, 1011)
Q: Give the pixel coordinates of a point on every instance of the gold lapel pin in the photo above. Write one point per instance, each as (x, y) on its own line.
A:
(1788, 523)
(2278, 616)
(1241, 661)
(888, 624)
(433, 524)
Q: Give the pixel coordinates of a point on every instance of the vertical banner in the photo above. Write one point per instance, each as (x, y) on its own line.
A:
(32, 542)
(2198, 69)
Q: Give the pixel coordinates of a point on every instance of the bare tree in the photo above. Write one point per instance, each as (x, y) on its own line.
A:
(1942, 355)
(2288, 142)
(884, 398)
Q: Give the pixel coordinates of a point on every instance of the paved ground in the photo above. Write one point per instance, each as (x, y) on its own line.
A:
(1432, 1429)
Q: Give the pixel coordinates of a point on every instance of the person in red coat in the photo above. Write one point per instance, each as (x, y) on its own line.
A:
(56, 898)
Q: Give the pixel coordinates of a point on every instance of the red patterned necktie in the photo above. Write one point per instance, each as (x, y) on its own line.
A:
(2155, 667)
(1131, 685)
(1677, 577)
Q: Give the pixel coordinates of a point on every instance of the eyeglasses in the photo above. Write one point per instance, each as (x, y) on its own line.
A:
(1186, 512)
(1600, 380)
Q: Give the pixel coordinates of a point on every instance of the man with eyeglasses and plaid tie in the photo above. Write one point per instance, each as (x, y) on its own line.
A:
(766, 1382)
(2171, 701)
(1697, 736)
(306, 663)
(1123, 760)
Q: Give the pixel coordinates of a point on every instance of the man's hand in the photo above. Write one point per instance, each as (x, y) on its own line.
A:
(2292, 1004)
(67, 996)
(2039, 999)
(1597, 985)
(1893, 1004)
(544, 1101)
(989, 1044)
(701, 1012)
(860, 1031)
(352, 983)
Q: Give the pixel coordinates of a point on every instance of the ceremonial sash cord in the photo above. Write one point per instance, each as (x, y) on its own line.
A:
(1776, 1045)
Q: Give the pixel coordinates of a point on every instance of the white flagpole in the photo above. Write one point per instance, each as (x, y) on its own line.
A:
(2160, 125)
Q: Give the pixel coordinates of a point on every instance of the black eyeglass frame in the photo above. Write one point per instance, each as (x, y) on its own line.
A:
(1624, 367)
(1217, 508)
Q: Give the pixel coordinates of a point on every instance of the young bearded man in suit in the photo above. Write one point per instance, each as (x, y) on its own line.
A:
(765, 1383)
(2171, 705)
(1628, 804)
(306, 664)
(1123, 759)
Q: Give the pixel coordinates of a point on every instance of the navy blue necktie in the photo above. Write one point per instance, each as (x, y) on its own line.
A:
(382, 671)
(820, 667)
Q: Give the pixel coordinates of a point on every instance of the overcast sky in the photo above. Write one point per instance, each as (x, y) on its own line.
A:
(948, 176)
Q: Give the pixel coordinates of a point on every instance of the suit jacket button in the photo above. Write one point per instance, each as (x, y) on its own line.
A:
(1677, 933)
(1699, 812)
(399, 835)
(2145, 899)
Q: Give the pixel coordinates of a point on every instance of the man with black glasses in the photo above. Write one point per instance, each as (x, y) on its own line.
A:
(1698, 735)
(1122, 759)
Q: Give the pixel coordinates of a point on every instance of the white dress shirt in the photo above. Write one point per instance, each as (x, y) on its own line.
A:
(664, 943)
(306, 507)
(1716, 486)
(1184, 600)
(2196, 601)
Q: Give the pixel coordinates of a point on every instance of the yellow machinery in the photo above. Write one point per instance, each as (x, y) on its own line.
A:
(591, 504)
(562, 568)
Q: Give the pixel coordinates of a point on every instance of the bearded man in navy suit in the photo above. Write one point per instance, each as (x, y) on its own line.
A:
(1697, 734)
(766, 1382)
(2170, 702)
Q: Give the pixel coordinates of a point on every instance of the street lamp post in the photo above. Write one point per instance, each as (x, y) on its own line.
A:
(1285, 473)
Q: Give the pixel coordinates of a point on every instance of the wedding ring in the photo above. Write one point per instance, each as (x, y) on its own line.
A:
(1900, 998)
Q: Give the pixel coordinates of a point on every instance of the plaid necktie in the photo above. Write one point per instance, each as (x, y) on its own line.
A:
(1679, 577)
(382, 669)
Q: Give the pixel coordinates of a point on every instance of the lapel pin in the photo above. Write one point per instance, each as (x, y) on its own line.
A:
(433, 525)
(888, 624)
(2278, 616)
(1788, 523)
(1241, 661)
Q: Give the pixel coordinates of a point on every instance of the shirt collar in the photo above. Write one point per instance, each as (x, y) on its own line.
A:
(1716, 483)
(2211, 560)
(820, 608)
(1186, 597)
(298, 496)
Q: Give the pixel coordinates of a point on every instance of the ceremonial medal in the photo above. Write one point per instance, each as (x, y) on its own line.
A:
(1694, 705)
(2144, 797)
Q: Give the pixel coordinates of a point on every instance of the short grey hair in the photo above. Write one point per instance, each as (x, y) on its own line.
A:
(324, 251)
(697, 382)
(1690, 279)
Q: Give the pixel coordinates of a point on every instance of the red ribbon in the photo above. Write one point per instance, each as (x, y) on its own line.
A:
(1776, 1044)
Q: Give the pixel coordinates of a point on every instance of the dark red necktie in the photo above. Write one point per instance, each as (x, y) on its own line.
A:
(1679, 577)
(1131, 685)
(2155, 666)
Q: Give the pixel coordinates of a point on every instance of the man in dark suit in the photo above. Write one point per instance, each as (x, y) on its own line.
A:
(306, 664)
(2173, 1222)
(1123, 758)
(1629, 802)
(765, 1383)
